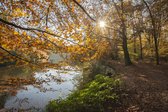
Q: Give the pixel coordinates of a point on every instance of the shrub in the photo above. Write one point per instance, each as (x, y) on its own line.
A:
(96, 96)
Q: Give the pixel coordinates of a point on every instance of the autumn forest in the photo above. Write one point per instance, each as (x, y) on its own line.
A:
(83, 55)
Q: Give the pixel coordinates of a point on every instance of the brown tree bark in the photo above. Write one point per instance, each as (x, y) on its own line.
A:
(141, 49)
(124, 37)
(125, 47)
(154, 32)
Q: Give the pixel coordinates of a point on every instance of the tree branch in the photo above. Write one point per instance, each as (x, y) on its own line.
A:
(34, 29)
(15, 55)
(150, 13)
(83, 10)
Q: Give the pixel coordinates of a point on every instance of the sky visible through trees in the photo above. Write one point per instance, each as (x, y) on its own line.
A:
(31, 29)
(83, 31)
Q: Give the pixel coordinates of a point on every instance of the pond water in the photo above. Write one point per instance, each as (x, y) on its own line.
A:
(52, 84)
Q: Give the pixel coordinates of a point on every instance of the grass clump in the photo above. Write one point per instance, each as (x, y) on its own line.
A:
(97, 96)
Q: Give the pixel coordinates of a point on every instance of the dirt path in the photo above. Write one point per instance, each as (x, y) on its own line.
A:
(147, 85)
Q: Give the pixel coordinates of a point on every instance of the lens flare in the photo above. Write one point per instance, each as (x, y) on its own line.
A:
(102, 24)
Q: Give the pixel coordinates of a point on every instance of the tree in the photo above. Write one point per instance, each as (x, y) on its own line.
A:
(39, 27)
(155, 13)
(121, 14)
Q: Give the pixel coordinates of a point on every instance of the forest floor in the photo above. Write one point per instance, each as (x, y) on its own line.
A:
(146, 85)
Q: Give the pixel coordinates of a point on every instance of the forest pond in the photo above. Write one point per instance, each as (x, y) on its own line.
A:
(49, 84)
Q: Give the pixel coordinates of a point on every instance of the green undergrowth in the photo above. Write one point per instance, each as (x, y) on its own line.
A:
(97, 96)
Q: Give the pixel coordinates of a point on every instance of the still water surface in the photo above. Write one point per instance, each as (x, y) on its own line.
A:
(54, 84)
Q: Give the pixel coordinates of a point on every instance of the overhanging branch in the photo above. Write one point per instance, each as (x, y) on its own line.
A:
(17, 56)
(33, 29)
(42, 31)
(83, 10)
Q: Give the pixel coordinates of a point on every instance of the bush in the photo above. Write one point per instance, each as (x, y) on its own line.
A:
(96, 96)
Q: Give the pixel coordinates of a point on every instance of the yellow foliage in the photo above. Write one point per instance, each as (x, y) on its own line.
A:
(16, 33)
(18, 13)
(24, 33)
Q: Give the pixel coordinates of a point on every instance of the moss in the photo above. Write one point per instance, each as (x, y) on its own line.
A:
(96, 96)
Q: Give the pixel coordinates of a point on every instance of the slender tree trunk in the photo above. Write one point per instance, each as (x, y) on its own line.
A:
(140, 45)
(124, 37)
(155, 36)
(116, 50)
(135, 45)
(135, 50)
(125, 47)
(126, 53)
(156, 49)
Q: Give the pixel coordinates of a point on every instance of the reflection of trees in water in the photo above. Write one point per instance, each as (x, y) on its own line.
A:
(21, 103)
(16, 71)
(2, 100)
(31, 109)
(78, 81)
(12, 78)
(42, 81)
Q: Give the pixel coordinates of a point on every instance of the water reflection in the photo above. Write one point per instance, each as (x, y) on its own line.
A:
(50, 84)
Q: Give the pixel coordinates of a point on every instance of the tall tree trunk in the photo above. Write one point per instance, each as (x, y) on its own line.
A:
(135, 45)
(116, 50)
(123, 33)
(124, 37)
(135, 50)
(156, 49)
(126, 53)
(125, 47)
(154, 33)
(140, 45)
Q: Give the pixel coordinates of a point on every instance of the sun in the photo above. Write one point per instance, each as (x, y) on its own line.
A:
(102, 24)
